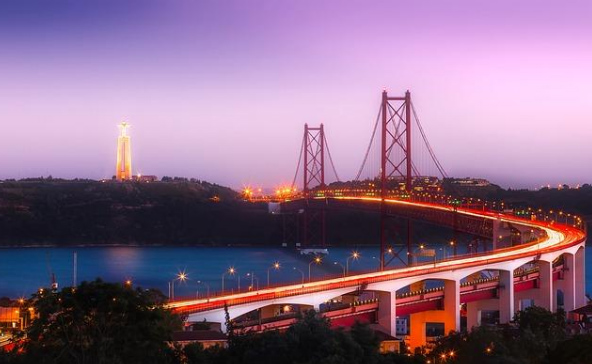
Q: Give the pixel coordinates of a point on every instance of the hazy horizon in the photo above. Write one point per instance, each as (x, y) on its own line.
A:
(220, 91)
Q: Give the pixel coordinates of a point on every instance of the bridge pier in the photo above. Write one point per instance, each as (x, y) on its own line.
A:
(580, 276)
(566, 284)
(506, 296)
(545, 294)
(496, 232)
(452, 304)
(387, 311)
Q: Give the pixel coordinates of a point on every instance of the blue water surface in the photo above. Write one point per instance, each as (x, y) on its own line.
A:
(24, 270)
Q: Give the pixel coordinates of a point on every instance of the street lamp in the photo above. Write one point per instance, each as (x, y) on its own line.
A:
(253, 278)
(230, 271)
(342, 267)
(207, 287)
(316, 260)
(453, 245)
(355, 255)
(301, 272)
(182, 277)
(275, 266)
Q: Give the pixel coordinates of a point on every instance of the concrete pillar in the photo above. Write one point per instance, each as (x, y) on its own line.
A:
(569, 282)
(545, 285)
(496, 232)
(473, 315)
(452, 305)
(506, 296)
(580, 277)
(387, 315)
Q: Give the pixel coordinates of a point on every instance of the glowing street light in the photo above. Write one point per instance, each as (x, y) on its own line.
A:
(355, 255)
(316, 260)
(231, 272)
(453, 245)
(275, 266)
(182, 277)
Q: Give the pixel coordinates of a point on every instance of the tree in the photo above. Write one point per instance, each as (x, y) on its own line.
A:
(100, 322)
(369, 343)
(309, 340)
(536, 334)
(577, 350)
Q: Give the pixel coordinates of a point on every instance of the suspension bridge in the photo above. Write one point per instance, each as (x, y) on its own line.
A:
(522, 260)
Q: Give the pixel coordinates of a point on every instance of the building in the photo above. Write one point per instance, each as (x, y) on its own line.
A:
(470, 182)
(145, 178)
(124, 154)
(401, 327)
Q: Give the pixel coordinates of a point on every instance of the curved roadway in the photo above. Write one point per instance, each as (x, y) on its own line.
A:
(558, 237)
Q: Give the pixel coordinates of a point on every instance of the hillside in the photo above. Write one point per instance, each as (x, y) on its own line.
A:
(192, 212)
(50, 212)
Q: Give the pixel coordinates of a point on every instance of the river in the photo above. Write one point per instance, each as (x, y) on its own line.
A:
(24, 270)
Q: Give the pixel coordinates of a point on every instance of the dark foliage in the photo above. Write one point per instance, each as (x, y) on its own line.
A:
(535, 338)
(98, 322)
(178, 212)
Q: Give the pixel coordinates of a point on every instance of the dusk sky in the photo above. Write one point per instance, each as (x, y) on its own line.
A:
(220, 90)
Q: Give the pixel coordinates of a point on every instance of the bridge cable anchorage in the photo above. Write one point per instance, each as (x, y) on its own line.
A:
(331, 158)
(299, 162)
(425, 139)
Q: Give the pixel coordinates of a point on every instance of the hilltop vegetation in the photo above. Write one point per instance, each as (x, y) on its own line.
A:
(44, 212)
(179, 211)
(175, 212)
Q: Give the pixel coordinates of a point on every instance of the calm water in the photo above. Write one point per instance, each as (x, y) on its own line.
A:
(24, 270)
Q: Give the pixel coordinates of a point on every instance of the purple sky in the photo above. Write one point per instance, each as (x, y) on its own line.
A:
(220, 90)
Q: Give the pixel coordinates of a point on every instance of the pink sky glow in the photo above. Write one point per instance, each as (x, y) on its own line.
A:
(220, 90)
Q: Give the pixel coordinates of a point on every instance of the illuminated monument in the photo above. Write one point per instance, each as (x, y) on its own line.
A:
(124, 154)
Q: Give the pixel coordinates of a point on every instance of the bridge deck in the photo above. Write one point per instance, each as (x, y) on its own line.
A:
(557, 237)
